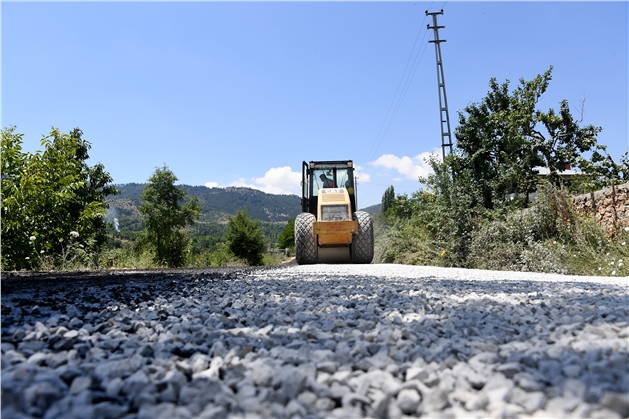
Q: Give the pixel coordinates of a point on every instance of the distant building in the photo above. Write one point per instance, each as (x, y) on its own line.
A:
(564, 174)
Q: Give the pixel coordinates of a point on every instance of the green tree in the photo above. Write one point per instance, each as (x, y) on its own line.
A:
(387, 199)
(53, 202)
(166, 216)
(245, 238)
(470, 198)
(286, 239)
(504, 137)
(601, 170)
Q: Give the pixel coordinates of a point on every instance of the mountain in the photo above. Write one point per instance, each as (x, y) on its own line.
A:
(373, 209)
(216, 203)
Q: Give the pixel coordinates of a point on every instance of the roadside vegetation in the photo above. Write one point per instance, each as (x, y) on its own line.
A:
(52, 203)
(166, 216)
(486, 206)
(54, 208)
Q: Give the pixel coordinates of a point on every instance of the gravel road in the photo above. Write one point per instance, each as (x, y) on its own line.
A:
(336, 341)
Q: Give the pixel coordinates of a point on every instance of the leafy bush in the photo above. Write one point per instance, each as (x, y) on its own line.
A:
(543, 257)
(547, 237)
(403, 242)
(52, 203)
(498, 245)
(128, 257)
(286, 239)
(514, 243)
(245, 238)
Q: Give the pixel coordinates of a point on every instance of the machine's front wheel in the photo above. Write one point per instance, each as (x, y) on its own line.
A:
(305, 239)
(361, 249)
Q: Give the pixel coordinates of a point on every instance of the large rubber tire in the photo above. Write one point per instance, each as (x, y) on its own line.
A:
(306, 250)
(361, 249)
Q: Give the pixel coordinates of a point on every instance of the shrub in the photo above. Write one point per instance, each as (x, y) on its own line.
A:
(53, 203)
(286, 239)
(548, 237)
(405, 242)
(245, 238)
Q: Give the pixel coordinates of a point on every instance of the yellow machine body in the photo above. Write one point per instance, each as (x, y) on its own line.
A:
(329, 228)
(334, 225)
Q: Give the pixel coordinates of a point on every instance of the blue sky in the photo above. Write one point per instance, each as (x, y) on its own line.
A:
(240, 93)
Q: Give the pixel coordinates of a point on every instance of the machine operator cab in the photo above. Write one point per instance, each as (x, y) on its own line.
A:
(328, 178)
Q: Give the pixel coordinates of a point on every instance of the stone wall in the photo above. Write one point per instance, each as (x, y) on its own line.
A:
(609, 207)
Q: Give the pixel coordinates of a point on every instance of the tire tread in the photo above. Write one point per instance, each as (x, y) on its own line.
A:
(361, 249)
(305, 240)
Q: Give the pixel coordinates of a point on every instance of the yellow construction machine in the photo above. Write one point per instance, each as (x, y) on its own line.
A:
(329, 229)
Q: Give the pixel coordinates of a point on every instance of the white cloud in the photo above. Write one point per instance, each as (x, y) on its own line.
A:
(280, 180)
(362, 176)
(242, 183)
(410, 168)
(277, 180)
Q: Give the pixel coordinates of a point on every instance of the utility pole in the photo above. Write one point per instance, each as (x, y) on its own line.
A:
(356, 192)
(444, 116)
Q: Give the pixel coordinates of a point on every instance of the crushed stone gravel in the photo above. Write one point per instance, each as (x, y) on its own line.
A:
(339, 341)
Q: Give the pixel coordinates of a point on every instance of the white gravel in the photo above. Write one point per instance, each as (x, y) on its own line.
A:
(319, 341)
(417, 272)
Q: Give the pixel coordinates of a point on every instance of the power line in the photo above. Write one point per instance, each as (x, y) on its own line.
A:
(389, 120)
(406, 87)
(397, 100)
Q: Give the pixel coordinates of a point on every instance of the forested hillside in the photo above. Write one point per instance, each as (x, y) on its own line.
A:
(216, 203)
